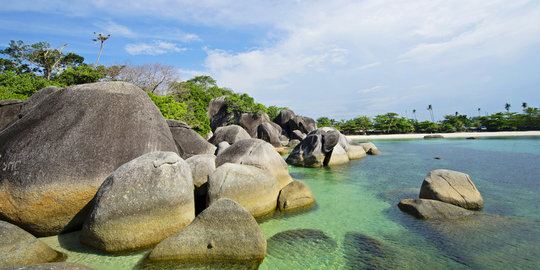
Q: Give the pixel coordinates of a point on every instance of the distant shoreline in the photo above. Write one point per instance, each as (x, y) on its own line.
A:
(446, 135)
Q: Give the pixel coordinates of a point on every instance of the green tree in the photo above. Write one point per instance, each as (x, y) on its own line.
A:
(169, 108)
(386, 122)
(273, 111)
(21, 86)
(39, 57)
(81, 74)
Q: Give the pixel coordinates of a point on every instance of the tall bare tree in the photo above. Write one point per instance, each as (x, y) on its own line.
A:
(151, 77)
(101, 38)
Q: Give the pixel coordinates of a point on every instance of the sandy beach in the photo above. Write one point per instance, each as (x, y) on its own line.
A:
(446, 135)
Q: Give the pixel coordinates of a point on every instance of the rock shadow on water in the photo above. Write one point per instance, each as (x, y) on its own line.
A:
(300, 244)
(277, 214)
(147, 265)
(365, 252)
(480, 241)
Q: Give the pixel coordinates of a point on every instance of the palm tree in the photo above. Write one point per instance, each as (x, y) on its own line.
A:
(478, 112)
(507, 107)
(101, 38)
(430, 109)
(414, 114)
(524, 105)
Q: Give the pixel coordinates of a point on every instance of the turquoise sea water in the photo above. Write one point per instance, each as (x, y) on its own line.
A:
(357, 225)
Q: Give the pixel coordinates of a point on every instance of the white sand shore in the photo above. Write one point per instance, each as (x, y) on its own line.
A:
(446, 135)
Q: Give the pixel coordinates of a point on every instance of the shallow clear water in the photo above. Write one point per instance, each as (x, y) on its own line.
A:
(357, 225)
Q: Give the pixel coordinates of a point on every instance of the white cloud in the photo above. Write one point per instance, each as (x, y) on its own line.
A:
(115, 29)
(372, 89)
(155, 48)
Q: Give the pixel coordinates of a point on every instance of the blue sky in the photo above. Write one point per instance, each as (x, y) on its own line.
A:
(339, 58)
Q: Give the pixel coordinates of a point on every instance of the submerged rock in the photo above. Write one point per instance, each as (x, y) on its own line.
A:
(18, 247)
(432, 209)
(295, 195)
(51, 266)
(254, 189)
(224, 232)
(141, 203)
(300, 243)
(257, 153)
(434, 136)
(451, 187)
(66, 143)
(365, 252)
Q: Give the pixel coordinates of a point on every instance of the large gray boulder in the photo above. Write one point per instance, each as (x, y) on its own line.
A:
(66, 143)
(257, 153)
(9, 111)
(451, 187)
(295, 195)
(251, 121)
(217, 113)
(221, 147)
(290, 122)
(230, 134)
(268, 133)
(432, 209)
(318, 149)
(308, 153)
(189, 142)
(201, 166)
(254, 189)
(141, 203)
(223, 233)
(18, 247)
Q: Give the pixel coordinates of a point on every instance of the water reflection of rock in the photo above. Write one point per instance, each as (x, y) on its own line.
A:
(365, 252)
(486, 241)
(300, 244)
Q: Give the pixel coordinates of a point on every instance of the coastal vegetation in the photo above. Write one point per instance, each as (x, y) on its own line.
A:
(392, 123)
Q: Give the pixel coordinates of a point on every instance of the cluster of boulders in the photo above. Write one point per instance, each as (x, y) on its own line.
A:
(101, 157)
(286, 130)
(327, 146)
(313, 147)
(445, 194)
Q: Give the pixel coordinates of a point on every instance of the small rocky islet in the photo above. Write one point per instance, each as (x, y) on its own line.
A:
(101, 158)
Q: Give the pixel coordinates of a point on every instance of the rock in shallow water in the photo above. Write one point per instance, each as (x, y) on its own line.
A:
(451, 187)
(18, 247)
(432, 209)
(143, 202)
(295, 195)
(67, 142)
(223, 233)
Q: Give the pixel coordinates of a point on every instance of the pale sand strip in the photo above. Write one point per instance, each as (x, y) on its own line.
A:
(446, 135)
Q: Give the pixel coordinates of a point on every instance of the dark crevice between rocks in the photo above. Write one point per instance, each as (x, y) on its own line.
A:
(200, 194)
(327, 157)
